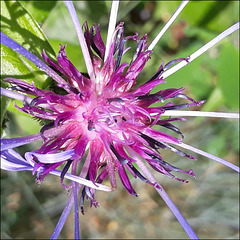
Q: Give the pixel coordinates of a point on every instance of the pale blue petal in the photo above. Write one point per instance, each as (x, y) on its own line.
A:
(13, 161)
(50, 157)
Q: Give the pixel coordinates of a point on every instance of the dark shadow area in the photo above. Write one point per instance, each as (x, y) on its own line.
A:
(213, 12)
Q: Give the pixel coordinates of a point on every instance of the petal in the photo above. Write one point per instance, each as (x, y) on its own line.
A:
(82, 181)
(50, 157)
(125, 180)
(39, 63)
(15, 142)
(13, 161)
(96, 149)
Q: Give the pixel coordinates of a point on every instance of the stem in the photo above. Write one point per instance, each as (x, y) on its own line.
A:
(163, 194)
(202, 50)
(16, 95)
(81, 38)
(208, 155)
(168, 24)
(111, 26)
(200, 114)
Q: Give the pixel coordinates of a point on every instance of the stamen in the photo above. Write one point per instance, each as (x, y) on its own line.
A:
(151, 96)
(168, 24)
(111, 26)
(202, 50)
(116, 99)
(81, 39)
(138, 174)
(82, 200)
(200, 114)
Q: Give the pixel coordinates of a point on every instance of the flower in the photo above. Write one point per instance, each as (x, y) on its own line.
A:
(101, 111)
(110, 117)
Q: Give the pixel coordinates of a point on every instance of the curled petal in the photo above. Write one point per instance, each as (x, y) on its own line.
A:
(13, 161)
(50, 157)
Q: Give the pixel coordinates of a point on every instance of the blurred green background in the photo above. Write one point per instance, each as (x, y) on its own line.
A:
(211, 201)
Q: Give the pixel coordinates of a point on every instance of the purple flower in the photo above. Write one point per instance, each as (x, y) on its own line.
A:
(109, 117)
(102, 116)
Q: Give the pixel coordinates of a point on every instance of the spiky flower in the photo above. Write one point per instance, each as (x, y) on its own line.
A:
(110, 116)
(100, 116)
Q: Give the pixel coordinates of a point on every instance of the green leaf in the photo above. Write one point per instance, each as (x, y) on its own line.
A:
(39, 10)
(228, 71)
(19, 25)
(4, 104)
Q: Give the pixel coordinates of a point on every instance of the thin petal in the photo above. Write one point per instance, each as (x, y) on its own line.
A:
(39, 63)
(69, 204)
(164, 195)
(50, 157)
(81, 39)
(168, 24)
(82, 181)
(16, 142)
(208, 155)
(16, 95)
(200, 114)
(202, 50)
(76, 211)
(111, 26)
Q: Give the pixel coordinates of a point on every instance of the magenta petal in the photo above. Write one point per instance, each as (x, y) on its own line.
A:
(125, 180)
(96, 149)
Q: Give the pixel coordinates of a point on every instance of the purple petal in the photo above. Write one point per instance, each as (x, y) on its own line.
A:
(81, 39)
(164, 196)
(69, 204)
(76, 211)
(125, 180)
(16, 95)
(39, 63)
(50, 157)
(210, 156)
(15, 142)
(13, 161)
(96, 149)
(82, 181)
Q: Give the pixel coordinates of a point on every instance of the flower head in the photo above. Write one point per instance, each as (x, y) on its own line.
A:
(111, 117)
(101, 118)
